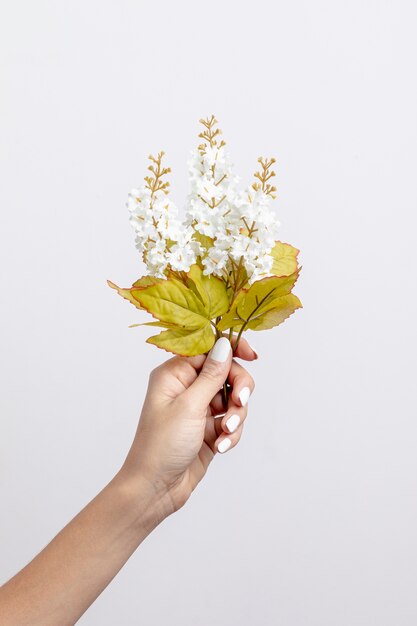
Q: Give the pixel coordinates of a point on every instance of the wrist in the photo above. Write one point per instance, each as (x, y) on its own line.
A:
(147, 503)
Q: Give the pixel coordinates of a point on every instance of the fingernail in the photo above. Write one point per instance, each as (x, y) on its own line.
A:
(244, 395)
(254, 351)
(224, 445)
(232, 423)
(220, 350)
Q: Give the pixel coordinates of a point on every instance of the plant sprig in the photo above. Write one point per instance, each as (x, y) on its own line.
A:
(263, 175)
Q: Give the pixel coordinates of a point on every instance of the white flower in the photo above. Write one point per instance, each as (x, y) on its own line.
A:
(181, 257)
(215, 261)
(239, 226)
(154, 218)
(156, 259)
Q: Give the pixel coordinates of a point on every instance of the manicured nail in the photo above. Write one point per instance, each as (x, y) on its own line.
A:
(254, 351)
(224, 445)
(232, 423)
(221, 349)
(244, 395)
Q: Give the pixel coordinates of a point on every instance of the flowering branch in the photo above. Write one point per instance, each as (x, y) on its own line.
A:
(263, 176)
(221, 268)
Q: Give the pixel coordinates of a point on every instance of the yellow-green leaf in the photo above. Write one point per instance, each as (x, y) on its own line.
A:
(279, 310)
(147, 281)
(205, 240)
(212, 291)
(172, 301)
(141, 283)
(185, 342)
(256, 299)
(285, 259)
(158, 324)
(127, 294)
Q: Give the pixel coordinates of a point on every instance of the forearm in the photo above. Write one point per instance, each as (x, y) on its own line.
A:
(61, 582)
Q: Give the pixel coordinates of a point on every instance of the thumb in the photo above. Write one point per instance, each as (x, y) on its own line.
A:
(213, 374)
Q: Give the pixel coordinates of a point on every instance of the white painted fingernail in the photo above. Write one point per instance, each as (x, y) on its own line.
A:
(244, 395)
(232, 422)
(253, 350)
(224, 445)
(220, 350)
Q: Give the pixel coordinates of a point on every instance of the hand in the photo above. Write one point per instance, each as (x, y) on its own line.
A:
(178, 433)
(177, 437)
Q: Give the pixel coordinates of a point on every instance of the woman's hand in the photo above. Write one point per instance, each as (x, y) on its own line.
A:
(177, 437)
(178, 433)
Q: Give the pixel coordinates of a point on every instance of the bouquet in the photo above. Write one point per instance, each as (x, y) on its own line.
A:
(219, 270)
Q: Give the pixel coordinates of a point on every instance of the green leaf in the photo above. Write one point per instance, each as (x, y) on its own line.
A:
(172, 301)
(147, 281)
(285, 259)
(212, 291)
(205, 240)
(279, 310)
(184, 342)
(141, 283)
(185, 310)
(127, 294)
(261, 296)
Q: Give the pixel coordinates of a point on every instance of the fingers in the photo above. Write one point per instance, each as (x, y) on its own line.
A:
(235, 416)
(242, 384)
(186, 369)
(222, 428)
(230, 427)
(217, 429)
(217, 406)
(228, 441)
(243, 350)
(213, 374)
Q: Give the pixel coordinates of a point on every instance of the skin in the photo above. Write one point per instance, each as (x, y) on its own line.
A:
(176, 439)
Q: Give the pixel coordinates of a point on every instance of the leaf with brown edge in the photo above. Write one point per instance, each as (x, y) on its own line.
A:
(158, 324)
(141, 283)
(256, 299)
(185, 342)
(172, 301)
(147, 281)
(285, 259)
(127, 294)
(277, 312)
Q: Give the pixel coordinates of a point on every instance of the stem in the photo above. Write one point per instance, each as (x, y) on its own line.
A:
(242, 328)
(225, 395)
(246, 322)
(225, 387)
(236, 277)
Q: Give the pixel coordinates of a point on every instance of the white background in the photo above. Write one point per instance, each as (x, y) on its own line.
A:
(311, 520)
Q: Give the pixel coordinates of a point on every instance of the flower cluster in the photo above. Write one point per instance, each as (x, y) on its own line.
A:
(231, 231)
(160, 236)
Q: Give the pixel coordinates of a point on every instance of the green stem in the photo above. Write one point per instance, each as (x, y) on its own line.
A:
(240, 333)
